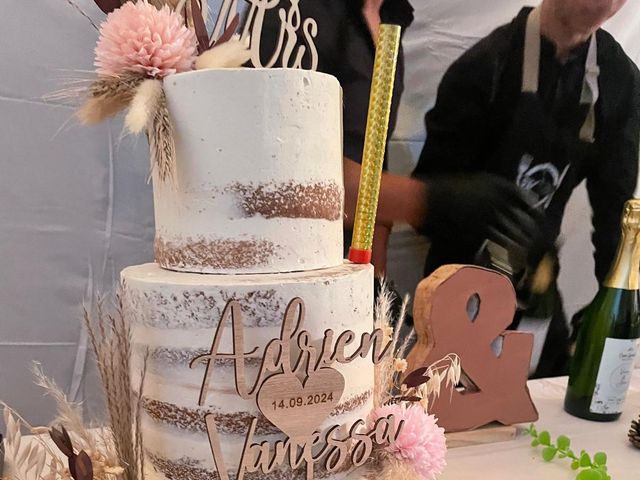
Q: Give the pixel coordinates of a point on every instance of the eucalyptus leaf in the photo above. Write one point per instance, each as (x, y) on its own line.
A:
(544, 438)
(589, 475)
(549, 453)
(563, 442)
(600, 458)
(585, 460)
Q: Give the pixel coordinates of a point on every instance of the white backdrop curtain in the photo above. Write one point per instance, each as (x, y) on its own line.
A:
(75, 207)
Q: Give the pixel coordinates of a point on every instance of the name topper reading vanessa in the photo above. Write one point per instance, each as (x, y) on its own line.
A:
(295, 47)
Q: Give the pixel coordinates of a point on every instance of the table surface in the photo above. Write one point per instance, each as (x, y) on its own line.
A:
(516, 459)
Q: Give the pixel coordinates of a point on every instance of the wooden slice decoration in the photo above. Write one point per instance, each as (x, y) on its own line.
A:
(464, 310)
(299, 408)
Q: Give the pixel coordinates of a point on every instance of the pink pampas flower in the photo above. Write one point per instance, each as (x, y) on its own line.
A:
(138, 37)
(421, 442)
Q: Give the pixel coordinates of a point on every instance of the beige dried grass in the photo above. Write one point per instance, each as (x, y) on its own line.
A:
(106, 97)
(111, 340)
(231, 54)
(27, 460)
(36, 460)
(161, 142)
(383, 317)
(67, 413)
(388, 387)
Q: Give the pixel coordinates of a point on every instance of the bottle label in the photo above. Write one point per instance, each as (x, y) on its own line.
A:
(614, 375)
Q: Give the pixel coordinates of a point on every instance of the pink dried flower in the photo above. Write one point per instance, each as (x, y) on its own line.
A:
(138, 37)
(421, 442)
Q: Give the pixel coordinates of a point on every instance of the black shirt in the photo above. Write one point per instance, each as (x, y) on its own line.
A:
(346, 51)
(476, 101)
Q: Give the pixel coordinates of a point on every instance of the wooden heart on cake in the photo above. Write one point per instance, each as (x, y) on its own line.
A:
(298, 408)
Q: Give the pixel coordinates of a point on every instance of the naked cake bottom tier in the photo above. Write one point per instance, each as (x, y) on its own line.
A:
(174, 318)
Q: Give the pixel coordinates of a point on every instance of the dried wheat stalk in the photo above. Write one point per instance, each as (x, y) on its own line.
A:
(446, 371)
(138, 417)
(161, 142)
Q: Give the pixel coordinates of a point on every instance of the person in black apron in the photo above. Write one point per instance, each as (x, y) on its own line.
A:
(493, 117)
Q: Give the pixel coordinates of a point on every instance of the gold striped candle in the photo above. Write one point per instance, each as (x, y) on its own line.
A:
(384, 73)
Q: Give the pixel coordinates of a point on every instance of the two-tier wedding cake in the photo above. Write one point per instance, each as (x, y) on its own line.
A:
(253, 214)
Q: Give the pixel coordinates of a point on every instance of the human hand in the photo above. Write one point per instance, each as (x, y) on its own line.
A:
(480, 207)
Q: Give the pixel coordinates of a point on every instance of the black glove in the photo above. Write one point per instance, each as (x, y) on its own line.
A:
(479, 207)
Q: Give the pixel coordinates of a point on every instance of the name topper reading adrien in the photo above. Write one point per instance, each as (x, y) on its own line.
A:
(297, 407)
(295, 47)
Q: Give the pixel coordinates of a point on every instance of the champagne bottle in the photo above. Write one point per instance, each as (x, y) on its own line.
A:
(601, 367)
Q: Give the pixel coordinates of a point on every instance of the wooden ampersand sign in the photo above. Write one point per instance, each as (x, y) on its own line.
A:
(495, 385)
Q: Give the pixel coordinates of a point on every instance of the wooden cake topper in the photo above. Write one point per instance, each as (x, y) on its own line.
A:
(293, 29)
(465, 310)
(297, 392)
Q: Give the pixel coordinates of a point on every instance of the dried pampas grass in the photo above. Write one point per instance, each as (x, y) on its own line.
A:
(231, 54)
(34, 459)
(111, 340)
(385, 372)
(67, 413)
(144, 105)
(114, 453)
(388, 374)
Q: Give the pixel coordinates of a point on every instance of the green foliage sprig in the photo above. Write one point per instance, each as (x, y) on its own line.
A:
(590, 468)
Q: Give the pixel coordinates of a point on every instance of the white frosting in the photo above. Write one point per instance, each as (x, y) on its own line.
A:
(175, 315)
(241, 129)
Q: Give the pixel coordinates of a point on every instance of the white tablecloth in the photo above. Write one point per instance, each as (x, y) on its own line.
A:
(516, 459)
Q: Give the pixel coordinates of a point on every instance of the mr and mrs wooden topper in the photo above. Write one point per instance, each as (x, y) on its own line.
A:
(295, 47)
(296, 389)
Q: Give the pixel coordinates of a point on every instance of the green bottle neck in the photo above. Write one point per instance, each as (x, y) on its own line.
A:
(625, 272)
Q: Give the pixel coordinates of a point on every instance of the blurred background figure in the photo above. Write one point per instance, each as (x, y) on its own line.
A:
(545, 102)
